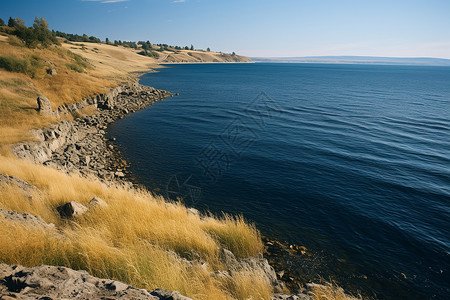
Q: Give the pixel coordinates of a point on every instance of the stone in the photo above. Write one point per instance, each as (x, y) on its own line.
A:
(166, 295)
(44, 105)
(27, 219)
(71, 209)
(116, 286)
(50, 282)
(51, 72)
(97, 202)
(119, 174)
(27, 188)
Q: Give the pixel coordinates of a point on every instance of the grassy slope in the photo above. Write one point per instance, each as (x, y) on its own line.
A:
(139, 239)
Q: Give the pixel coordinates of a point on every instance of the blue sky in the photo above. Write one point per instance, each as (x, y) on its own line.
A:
(257, 28)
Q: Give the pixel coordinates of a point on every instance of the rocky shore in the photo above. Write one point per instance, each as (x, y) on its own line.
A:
(80, 146)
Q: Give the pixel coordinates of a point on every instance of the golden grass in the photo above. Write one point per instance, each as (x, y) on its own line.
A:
(139, 239)
(329, 291)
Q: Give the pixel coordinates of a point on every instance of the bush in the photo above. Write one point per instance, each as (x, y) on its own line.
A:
(31, 65)
(79, 64)
(149, 53)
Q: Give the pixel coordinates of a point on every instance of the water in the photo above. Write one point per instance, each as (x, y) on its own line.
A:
(351, 161)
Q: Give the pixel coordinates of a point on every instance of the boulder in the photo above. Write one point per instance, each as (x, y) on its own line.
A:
(71, 209)
(51, 72)
(97, 202)
(44, 105)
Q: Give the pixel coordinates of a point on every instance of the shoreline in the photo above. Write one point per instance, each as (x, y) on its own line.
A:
(82, 147)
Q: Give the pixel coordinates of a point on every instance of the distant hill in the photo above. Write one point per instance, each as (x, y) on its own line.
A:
(369, 60)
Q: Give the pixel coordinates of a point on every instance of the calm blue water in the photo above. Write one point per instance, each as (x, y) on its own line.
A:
(351, 161)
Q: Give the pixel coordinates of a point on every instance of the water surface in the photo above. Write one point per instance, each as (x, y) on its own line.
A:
(351, 161)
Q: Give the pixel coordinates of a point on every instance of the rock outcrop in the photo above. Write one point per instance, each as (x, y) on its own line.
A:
(81, 146)
(28, 189)
(49, 282)
(26, 219)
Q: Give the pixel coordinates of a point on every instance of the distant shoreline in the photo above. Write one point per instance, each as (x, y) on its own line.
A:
(206, 62)
(357, 60)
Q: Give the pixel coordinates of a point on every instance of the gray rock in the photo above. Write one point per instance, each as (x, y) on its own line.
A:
(27, 188)
(166, 295)
(97, 202)
(44, 105)
(26, 219)
(71, 209)
(49, 282)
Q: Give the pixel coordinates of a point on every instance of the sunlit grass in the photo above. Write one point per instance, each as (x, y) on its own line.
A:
(139, 239)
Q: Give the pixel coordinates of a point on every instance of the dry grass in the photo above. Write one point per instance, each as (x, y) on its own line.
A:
(18, 92)
(329, 291)
(139, 238)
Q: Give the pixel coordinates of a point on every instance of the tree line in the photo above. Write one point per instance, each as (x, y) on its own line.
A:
(33, 36)
(40, 35)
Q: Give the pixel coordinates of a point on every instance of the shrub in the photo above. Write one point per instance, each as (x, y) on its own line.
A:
(79, 64)
(149, 53)
(31, 65)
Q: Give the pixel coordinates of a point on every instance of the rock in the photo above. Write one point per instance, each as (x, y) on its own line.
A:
(27, 188)
(51, 72)
(26, 219)
(97, 202)
(116, 286)
(119, 174)
(44, 105)
(166, 295)
(49, 282)
(71, 209)
(291, 297)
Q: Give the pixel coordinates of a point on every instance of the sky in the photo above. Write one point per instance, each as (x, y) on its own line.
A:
(264, 28)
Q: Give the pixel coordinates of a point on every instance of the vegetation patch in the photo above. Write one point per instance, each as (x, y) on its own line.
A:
(30, 65)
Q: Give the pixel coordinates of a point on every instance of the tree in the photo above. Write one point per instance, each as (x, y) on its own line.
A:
(186, 48)
(233, 53)
(2, 23)
(12, 22)
(107, 41)
(207, 49)
(192, 47)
